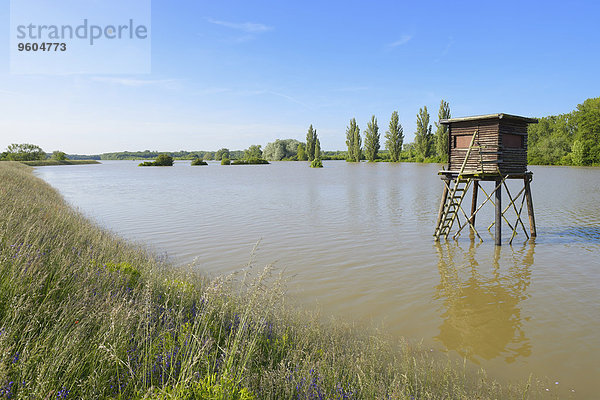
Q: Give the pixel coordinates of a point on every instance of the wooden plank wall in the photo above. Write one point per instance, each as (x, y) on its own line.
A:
(512, 159)
(488, 136)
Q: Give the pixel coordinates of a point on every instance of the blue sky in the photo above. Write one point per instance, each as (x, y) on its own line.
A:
(236, 73)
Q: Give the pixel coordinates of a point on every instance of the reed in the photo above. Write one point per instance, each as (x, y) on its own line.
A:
(84, 314)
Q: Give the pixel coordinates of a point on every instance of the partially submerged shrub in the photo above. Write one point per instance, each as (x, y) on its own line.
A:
(250, 161)
(316, 163)
(225, 161)
(199, 161)
(163, 160)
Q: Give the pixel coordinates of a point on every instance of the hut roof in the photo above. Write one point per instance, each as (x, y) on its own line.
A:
(490, 116)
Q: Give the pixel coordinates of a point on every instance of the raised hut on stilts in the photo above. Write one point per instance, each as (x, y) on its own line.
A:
(485, 148)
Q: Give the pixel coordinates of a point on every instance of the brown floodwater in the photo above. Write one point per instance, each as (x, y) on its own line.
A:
(356, 241)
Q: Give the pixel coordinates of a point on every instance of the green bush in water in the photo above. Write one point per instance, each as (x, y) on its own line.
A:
(199, 161)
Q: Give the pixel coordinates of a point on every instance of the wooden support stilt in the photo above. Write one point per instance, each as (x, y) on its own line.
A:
(442, 203)
(517, 213)
(530, 206)
(497, 151)
(474, 202)
(498, 234)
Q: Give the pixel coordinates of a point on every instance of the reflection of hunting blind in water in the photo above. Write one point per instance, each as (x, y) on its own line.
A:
(485, 148)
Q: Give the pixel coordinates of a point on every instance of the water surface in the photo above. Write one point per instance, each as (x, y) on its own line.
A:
(357, 240)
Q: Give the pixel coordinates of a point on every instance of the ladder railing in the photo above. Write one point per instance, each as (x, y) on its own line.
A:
(454, 196)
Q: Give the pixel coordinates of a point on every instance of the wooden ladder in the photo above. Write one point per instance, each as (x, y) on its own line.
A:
(455, 193)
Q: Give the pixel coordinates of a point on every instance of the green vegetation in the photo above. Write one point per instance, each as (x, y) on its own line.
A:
(424, 145)
(301, 153)
(249, 161)
(313, 149)
(177, 155)
(221, 154)
(252, 155)
(311, 140)
(199, 161)
(163, 160)
(84, 156)
(394, 137)
(23, 152)
(42, 163)
(316, 162)
(253, 152)
(225, 161)
(372, 139)
(281, 149)
(59, 156)
(441, 133)
(567, 139)
(353, 141)
(84, 315)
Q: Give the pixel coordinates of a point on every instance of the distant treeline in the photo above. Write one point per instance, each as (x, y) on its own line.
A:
(190, 155)
(567, 139)
(177, 155)
(83, 157)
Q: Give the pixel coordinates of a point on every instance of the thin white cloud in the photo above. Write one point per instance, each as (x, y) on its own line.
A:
(262, 92)
(290, 98)
(402, 41)
(248, 27)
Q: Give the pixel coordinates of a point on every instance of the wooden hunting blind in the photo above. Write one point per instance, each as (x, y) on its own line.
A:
(492, 148)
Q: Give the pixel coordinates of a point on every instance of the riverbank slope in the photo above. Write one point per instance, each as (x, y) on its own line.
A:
(84, 314)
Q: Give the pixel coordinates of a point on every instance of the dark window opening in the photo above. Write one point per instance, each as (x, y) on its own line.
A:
(513, 141)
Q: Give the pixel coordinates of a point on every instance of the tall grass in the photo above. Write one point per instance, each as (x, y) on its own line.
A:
(84, 314)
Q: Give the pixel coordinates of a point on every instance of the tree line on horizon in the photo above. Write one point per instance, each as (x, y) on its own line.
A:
(567, 139)
(564, 139)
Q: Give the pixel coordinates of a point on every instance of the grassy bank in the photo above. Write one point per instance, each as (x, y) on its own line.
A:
(84, 314)
(41, 163)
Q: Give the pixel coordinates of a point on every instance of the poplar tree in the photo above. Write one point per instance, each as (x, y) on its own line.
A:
(423, 135)
(311, 137)
(372, 139)
(441, 133)
(353, 141)
(350, 140)
(394, 137)
(317, 163)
